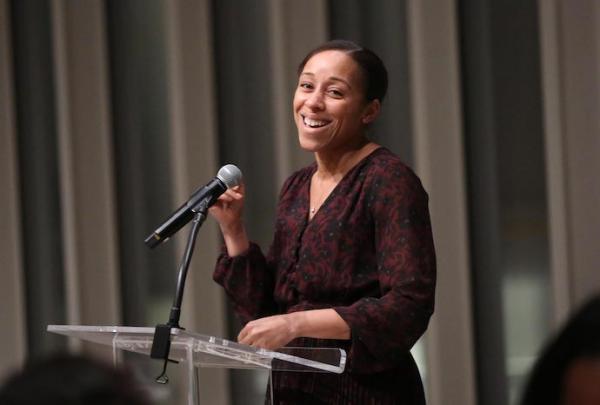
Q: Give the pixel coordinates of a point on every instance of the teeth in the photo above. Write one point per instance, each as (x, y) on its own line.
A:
(314, 123)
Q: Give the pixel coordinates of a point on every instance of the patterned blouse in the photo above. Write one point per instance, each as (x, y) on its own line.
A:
(368, 254)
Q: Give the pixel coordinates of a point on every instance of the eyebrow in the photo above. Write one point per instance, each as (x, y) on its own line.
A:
(333, 78)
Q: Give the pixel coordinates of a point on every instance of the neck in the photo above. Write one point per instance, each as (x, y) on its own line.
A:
(335, 163)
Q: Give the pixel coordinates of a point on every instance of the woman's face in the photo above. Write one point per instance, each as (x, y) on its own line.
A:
(330, 108)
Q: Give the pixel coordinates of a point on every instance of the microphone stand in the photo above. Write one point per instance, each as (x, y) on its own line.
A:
(161, 343)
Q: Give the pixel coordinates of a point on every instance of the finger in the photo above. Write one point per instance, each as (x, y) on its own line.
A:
(243, 334)
(237, 196)
(239, 188)
(225, 198)
(233, 194)
(246, 340)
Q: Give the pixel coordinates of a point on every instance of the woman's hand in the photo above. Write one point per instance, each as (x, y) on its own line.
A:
(269, 333)
(276, 331)
(227, 210)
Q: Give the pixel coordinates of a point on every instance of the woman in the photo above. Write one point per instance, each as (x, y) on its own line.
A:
(352, 263)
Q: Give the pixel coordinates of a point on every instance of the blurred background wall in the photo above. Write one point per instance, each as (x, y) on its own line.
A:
(113, 111)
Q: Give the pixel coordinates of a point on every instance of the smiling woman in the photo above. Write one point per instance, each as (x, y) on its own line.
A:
(352, 263)
(331, 112)
(330, 108)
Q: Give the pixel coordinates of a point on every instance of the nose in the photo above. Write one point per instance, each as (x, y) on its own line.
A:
(315, 100)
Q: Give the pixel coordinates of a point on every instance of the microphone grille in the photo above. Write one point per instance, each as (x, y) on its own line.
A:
(230, 175)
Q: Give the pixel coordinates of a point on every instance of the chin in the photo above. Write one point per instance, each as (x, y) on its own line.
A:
(307, 145)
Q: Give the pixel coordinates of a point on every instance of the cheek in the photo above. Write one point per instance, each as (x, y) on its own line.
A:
(297, 101)
(350, 117)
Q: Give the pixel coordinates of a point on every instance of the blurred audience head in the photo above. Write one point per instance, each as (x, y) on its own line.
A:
(568, 371)
(71, 380)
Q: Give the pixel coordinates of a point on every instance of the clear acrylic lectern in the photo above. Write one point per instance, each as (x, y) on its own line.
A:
(196, 350)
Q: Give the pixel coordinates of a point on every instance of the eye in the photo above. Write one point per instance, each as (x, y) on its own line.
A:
(306, 85)
(335, 93)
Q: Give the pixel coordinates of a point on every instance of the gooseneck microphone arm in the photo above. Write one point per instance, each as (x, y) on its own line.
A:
(161, 344)
(196, 207)
(201, 210)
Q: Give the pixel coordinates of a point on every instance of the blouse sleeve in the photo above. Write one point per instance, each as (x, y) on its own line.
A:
(249, 278)
(248, 282)
(385, 328)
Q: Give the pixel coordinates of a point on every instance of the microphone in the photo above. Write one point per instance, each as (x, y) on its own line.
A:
(227, 177)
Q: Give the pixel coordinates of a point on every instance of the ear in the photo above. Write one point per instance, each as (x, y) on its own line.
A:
(371, 111)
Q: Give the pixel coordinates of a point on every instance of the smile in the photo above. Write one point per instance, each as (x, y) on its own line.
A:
(312, 123)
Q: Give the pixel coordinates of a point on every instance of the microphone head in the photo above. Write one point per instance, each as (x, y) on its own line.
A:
(230, 175)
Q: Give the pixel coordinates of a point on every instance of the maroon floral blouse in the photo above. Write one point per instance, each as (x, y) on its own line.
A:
(368, 254)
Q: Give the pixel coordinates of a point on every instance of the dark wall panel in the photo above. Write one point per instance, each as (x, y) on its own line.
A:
(38, 167)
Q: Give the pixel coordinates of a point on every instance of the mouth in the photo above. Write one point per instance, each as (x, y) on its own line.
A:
(314, 123)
